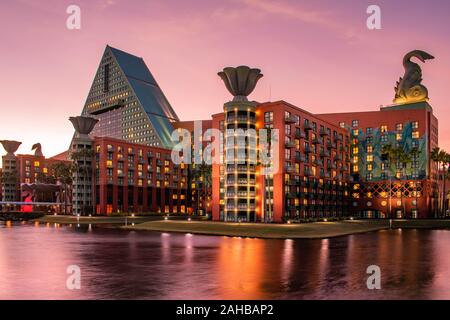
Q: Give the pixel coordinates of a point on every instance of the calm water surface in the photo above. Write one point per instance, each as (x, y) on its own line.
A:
(117, 264)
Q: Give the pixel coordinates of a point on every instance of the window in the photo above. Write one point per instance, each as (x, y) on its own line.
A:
(287, 129)
(355, 168)
(415, 135)
(369, 140)
(369, 131)
(369, 177)
(384, 128)
(37, 164)
(268, 116)
(369, 149)
(355, 123)
(384, 138)
(369, 158)
(342, 124)
(369, 167)
(287, 154)
(415, 124)
(398, 136)
(355, 150)
(399, 127)
(355, 132)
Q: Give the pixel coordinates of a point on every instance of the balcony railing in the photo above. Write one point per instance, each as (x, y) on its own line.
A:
(300, 135)
(290, 119)
(289, 144)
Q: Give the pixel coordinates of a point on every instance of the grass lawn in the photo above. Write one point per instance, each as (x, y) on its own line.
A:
(273, 231)
(96, 219)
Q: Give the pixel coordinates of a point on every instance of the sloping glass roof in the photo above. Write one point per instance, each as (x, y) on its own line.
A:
(149, 94)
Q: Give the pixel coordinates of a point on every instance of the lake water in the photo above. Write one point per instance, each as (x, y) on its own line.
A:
(118, 264)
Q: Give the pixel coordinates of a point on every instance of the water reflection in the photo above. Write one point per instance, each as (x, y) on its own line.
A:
(141, 265)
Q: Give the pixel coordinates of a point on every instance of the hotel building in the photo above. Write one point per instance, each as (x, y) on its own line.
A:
(136, 178)
(311, 180)
(399, 186)
(329, 165)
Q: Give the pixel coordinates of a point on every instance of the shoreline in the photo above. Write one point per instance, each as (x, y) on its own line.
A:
(313, 230)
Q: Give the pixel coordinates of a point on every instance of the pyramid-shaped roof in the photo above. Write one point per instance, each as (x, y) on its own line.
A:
(145, 92)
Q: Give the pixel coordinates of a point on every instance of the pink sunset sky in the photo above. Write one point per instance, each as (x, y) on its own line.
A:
(318, 55)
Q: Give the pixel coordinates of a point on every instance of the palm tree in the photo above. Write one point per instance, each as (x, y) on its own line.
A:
(445, 176)
(436, 157)
(404, 159)
(63, 174)
(389, 155)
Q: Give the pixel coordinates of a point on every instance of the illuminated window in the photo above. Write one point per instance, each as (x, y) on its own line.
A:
(398, 136)
(415, 124)
(45, 170)
(355, 132)
(369, 167)
(415, 135)
(369, 149)
(355, 159)
(399, 127)
(355, 168)
(355, 150)
(384, 129)
(369, 158)
(109, 163)
(37, 164)
(342, 124)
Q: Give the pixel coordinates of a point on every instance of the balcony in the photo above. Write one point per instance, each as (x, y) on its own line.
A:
(325, 175)
(308, 126)
(290, 119)
(323, 132)
(317, 141)
(300, 158)
(331, 145)
(318, 162)
(308, 150)
(289, 144)
(290, 169)
(290, 195)
(337, 138)
(337, 158)
(300, 135)
(324, 154)
(344, 168)
(307, 172)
